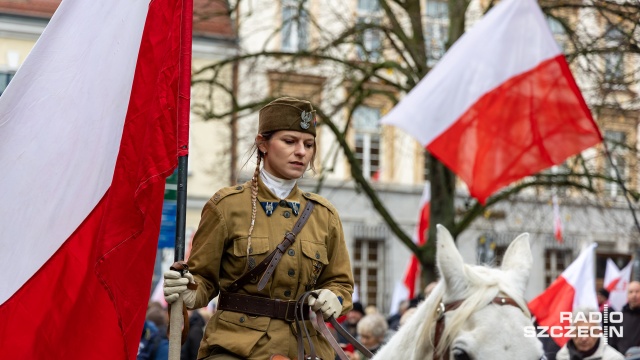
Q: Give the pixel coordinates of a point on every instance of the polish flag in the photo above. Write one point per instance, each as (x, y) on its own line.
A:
(557, 220)
(575, 287)
(616, 282)
(501, 104)
(407, 288)
(412, 274)
(88, 133)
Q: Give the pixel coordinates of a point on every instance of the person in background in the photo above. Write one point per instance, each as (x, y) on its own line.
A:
(429, 288)
(243, 224)
(588, 343)
(630, 325)
(394, 320)
(197, 323)
(153, 345)
(371, 309)
(603, 299)
(372, 329)
(351, 322)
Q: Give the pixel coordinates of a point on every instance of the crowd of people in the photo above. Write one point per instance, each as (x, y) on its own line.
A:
(154, 343)
(607, 339)
(373, 329)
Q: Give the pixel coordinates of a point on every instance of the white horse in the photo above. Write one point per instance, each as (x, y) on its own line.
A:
(483, 311)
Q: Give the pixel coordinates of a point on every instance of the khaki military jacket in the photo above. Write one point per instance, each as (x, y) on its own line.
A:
(318, 259)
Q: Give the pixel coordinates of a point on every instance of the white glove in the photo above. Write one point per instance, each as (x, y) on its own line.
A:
(327, 302)
(176, 285)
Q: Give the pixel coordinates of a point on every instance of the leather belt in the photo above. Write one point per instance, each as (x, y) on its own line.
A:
(260, 306)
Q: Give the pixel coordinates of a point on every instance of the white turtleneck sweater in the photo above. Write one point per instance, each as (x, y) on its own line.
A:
(280, 187)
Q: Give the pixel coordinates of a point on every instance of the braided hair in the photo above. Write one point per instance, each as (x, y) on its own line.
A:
(254, 198)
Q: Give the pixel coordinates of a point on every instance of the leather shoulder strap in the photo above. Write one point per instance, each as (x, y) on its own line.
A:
(268, 265)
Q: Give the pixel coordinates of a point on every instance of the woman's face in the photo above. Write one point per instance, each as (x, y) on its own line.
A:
(287, 153)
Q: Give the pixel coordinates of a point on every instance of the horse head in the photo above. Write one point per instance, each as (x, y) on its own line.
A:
(475, 312)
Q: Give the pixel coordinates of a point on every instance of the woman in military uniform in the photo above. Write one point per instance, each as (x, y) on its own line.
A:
(242, 225)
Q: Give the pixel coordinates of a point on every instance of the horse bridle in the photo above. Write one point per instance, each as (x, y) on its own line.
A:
(442, 309)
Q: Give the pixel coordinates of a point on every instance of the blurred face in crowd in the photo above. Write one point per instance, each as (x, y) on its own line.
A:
(584, 341)
(633, 294)
(369, 341)
(353, 317)
(601, 299)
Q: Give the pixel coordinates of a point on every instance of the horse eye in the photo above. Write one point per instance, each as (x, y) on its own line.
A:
(459, 354)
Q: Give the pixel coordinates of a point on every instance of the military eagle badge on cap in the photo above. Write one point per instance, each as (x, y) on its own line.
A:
(306, 116)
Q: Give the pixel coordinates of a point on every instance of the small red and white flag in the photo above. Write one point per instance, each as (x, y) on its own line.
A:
(557, 220)
(501, 104)
(407, 289)
(575, 287)
(89, 130)
(412, 274)
(616, 282)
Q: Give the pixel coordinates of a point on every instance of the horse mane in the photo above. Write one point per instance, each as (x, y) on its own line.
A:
(483, 284)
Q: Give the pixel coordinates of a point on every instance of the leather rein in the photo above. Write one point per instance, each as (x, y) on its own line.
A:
(442, 309)
(318, 323)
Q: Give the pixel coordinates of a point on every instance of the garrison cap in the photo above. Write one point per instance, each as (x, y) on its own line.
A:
(287, 113)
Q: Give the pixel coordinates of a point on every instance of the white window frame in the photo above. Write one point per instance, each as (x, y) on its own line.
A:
(370, 268)
(369, 12)
(436, 29)
(295, 25)
(366, 123)
(614, 60)
(616, 140)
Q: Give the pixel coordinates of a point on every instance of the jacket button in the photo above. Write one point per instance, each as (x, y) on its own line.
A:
(291, 252)
(317, 255)
(239, 187)
(307, 194)
(252, 262)
(286, 214)
(287, 293)
(282, 203)
(242, 319)
(291, 272)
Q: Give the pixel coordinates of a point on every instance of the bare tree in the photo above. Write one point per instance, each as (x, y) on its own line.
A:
(389, 45)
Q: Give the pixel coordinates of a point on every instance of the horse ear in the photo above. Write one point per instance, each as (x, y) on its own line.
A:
(450, 261)
(518, 260)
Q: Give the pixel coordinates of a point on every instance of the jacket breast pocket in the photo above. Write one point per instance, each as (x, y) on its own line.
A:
(314, 260)
(257, 252)
(259, 245)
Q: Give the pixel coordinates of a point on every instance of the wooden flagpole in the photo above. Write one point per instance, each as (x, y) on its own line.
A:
(184, 109)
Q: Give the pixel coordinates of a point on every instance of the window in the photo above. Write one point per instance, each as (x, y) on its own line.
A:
(555, 261)
(616, 141)
(367, 139)
(558, 31)
(5, 78)
(370, 42)
(614, 61)
(295, 25)
(368, 6)
(426, 161)
(486, 250)
(437, 30)
(368, 265)
(613, 70)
